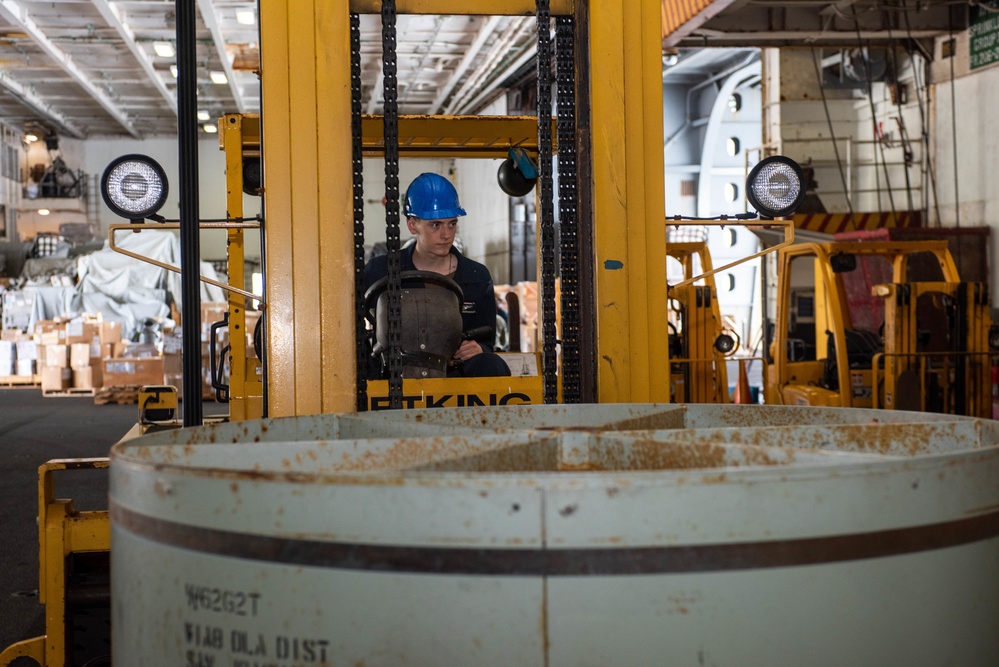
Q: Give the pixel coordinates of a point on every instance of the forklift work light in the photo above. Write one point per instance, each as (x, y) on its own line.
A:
(134, 186)
(775, 187)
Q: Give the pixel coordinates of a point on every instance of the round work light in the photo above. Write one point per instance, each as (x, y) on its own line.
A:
(134, 186)
(775, 186)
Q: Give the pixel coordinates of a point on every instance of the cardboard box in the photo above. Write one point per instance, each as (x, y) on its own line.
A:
(97, 372)
(110, 332)
(81, 332)
(8, 350)
(14, 335)
(52, 337)
(177, 381)
(26, 367)
(56, 356)
(56, 379)
(173, 364)
(83, 378)
(123, 371)
(43, 327)
(27, 349)
(79, 355)
(8, 366)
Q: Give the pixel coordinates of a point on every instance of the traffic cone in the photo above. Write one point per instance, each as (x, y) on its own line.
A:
(742, 393)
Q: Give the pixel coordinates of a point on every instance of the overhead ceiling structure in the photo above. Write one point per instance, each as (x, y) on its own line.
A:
(89, 68)
(842, 23)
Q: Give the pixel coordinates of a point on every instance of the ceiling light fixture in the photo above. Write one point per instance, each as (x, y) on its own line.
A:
(245, 17)
(31, 137)
(219, 77)
(43, 211)
(209, 128)
(203, 115)
(173, 70)
(164, 49)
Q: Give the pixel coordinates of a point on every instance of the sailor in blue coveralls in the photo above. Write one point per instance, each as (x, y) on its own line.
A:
(432, 212)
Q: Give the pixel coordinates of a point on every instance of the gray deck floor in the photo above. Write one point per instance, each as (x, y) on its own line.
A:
(33, 430)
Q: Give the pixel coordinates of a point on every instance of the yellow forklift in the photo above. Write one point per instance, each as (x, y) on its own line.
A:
(608, 344)
(699, 343)
(880, 324)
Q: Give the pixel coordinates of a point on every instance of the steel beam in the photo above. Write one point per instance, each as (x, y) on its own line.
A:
(18, 16)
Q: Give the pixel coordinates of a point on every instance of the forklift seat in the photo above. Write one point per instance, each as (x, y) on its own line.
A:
(431, 329)
(861, 346)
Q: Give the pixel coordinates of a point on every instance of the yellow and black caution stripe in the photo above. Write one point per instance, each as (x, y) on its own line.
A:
(835, 223)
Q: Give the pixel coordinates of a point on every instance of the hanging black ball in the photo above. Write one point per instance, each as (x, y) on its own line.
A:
(252, 176)
(512, 181)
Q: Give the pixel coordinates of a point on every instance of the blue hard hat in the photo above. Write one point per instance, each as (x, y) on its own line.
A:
(432, 197)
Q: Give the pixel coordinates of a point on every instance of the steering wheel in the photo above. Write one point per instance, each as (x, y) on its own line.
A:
(407, 278)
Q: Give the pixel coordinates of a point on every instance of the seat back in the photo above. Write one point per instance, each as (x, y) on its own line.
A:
(431, 330)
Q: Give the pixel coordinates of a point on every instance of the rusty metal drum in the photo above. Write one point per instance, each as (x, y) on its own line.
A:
(560, 536)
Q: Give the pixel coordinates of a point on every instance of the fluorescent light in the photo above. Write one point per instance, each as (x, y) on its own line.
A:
(164, 49)
(209, 128)
(43, 211)
(219, 77)
(245, 17)
(203, 115)
(31, 137)
(173, 70)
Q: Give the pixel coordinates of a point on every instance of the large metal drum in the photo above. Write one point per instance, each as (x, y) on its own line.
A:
(560, 536)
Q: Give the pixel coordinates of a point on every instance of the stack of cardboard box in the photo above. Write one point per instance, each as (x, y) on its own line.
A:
(73, 353)
(89, 353)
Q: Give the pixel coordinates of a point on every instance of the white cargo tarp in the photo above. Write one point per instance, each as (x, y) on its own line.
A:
(129, 290)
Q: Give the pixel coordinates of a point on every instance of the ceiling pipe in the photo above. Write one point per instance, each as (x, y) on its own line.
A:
(211, 22)
(483, 96)
(17, 15)
(438, 26)
(113, 16)
(379, 85)
(499, 49)
(38, 106)
(466, 62)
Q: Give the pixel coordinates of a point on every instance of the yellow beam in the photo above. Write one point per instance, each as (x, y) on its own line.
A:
(628, 201)
(309, 217)
(336, 366)
(463, 7)
(454, 136)
(231, 137)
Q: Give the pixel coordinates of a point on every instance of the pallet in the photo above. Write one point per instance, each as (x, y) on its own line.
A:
(20, 380)
(122, 395)
(71, 392)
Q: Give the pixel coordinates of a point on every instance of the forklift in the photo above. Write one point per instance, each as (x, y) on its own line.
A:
(605, 346)
(880, 324)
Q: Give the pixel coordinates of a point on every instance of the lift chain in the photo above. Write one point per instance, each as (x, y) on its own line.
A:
(549, 357)
(565, 125)
(390, 94)
(358, 164)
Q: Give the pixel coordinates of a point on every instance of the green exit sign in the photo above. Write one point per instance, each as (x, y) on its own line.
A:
(984, 34)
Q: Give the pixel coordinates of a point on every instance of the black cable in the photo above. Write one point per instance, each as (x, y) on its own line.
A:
(832, 136)
(357, 161)
(547, 212)
(925, 139)
(901, 121)
(391, 129)
(874, 120)
(953, 123)
(190, 234)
